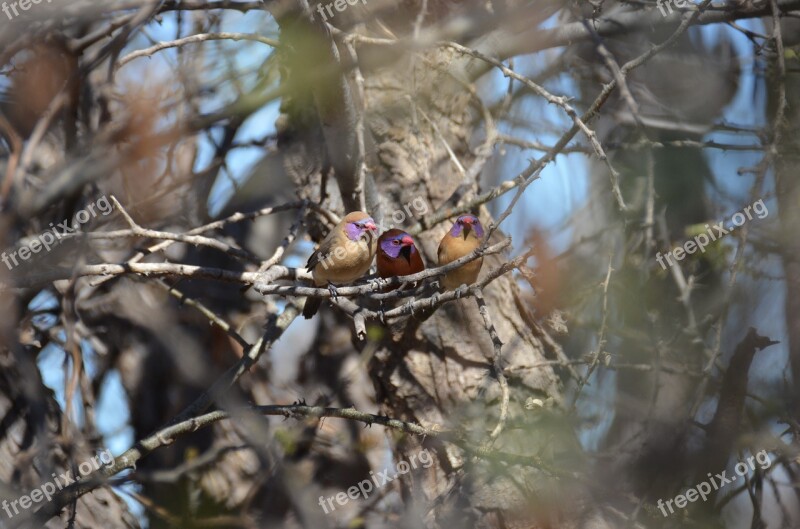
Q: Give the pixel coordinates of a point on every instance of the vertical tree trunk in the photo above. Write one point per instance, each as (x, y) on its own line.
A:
(433, 369)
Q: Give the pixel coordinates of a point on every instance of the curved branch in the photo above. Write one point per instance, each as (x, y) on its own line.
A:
(192, 39)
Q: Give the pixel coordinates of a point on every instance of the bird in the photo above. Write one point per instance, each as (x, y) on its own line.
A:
(463, 238)
(397, 255)
(343, 256)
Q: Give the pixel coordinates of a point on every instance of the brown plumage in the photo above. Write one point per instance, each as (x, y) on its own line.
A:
(343, 256)
(463, 238)
(398, 255)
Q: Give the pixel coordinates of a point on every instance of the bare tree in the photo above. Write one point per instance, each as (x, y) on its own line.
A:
(167, 167)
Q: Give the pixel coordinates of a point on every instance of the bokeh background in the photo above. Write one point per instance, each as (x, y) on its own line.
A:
(627, 383)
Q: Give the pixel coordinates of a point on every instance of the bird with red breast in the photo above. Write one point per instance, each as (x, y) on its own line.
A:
(398, 255)
(343, 256)
(463, 238)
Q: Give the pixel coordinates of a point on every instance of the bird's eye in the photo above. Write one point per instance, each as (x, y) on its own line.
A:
(395, 242)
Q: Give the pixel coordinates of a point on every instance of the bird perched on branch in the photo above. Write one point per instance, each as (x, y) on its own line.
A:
(398, 255)
(343, 256)
(463, 238)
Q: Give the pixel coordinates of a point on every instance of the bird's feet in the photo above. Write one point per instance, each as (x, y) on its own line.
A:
(374, 282)
(332, 290)
(435, 299)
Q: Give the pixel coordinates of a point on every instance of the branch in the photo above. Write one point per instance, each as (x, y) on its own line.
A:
(196, 240)
(376, 285)
(632, 21)
(361, 314)
(200, 37)
(165, 435)
(562, 102)
(497, 368)
(236, 217)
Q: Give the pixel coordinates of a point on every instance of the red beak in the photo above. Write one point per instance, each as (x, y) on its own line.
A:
(371, 226)
(407, 241)
(467, 221)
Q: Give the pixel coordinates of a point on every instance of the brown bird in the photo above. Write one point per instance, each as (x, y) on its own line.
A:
(397, 255)
(343, 256)
(463, 238)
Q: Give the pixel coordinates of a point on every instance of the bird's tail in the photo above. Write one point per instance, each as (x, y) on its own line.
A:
(311, 307)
